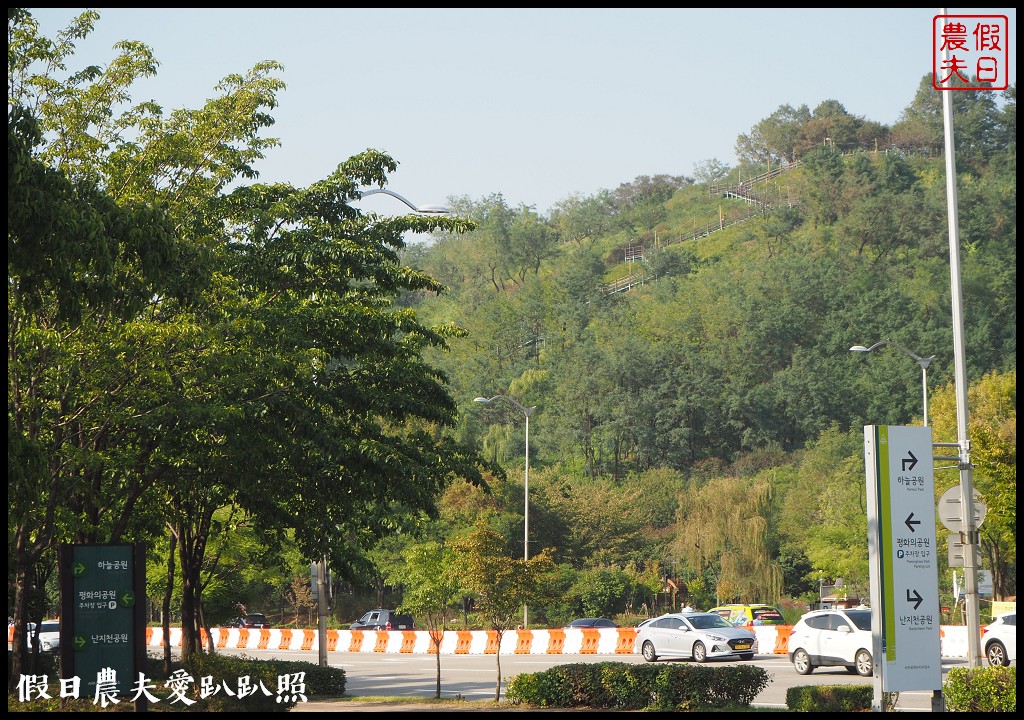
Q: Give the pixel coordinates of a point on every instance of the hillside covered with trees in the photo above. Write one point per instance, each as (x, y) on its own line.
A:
(711, 419)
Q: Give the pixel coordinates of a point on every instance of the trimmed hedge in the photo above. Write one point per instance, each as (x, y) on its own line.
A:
(625, 686)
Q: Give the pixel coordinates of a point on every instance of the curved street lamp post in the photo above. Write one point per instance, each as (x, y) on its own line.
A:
(424, 209)
(923, 362)
(526, 484)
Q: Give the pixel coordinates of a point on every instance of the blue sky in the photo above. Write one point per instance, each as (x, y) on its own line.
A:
(535, 104)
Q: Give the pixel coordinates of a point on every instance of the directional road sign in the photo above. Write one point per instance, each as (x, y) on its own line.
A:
(902, 556)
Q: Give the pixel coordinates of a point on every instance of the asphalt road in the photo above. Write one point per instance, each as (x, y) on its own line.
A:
(474, 677)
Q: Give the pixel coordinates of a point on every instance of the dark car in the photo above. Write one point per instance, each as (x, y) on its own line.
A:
(251, 621)
(592, 623)
(382, 619)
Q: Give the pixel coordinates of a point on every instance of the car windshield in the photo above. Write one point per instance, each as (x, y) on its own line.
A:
(708, 621)
(768, 617)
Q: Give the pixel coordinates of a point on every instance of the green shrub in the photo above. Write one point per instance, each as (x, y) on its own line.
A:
(837, 698)
(830, 698)
(625, 686)
(987, 689)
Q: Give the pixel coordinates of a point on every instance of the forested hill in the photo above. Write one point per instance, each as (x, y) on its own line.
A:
(740, 343)
(719, 399)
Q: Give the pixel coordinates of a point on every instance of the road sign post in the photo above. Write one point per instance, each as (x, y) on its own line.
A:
(902, 559)
(951, 510)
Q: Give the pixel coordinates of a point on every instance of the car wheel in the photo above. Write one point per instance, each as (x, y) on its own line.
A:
(996, 654)
(802, 662)
(700, 653)
(863, 662)
(648, 651)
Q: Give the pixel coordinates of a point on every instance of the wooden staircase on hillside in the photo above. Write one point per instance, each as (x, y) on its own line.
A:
(753, 191)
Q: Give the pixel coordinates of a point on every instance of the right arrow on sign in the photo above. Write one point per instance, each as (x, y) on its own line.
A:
(911, 522)
(912, 460)
(916, 599)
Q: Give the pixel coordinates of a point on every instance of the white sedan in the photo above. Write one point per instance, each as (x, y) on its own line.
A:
(697, 635)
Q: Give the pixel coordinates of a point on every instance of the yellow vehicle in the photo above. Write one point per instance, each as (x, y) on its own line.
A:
(755, 614)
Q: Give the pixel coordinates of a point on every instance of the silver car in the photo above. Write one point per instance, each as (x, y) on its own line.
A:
(698, 635)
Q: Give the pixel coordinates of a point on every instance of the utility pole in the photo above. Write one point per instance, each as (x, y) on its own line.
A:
(969, 533)
(321, 609)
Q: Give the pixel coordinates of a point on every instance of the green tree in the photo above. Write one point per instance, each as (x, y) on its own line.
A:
(775, 138)
(281, 377)
(432, 579)
(710, 170)
(502, 585)
(823, 509)
(992, 430)
(79, 266)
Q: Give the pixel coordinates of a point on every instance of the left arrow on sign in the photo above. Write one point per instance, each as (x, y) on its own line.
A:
(910, 522)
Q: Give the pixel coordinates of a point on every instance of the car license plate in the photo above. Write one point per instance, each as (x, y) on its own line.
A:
(742, 646)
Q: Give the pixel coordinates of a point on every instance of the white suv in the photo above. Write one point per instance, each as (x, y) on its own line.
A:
(830, 638)
(999, 639)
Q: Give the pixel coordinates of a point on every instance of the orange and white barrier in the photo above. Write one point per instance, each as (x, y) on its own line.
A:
(771, 639)
(570, 641)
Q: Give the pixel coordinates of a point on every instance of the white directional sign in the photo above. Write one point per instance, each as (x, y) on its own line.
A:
(902, 556)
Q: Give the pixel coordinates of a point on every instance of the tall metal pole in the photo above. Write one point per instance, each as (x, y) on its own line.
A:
(526, 511)
(526, 486)
(924, 388)
(321, 609)
(969, 533)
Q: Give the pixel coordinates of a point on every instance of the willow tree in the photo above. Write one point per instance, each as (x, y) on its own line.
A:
(722, 528)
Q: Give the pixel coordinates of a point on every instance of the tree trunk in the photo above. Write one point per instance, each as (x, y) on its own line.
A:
(435, 640)
(497, 660)
(189, 586)
(19, 646)
(166, 606)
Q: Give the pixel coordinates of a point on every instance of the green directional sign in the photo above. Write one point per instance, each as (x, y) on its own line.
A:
(99, 624)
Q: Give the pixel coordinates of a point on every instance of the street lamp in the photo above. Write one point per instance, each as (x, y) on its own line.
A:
(923, 362)
(526, 484)
(424, 209)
